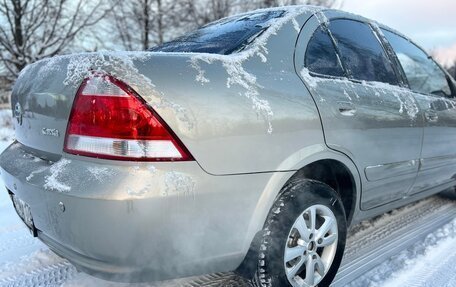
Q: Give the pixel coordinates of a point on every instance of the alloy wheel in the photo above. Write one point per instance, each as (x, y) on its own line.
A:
(311, 246)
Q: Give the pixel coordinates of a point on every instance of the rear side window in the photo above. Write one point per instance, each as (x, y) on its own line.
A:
(361, 52)
(423, 74)
(321, 55)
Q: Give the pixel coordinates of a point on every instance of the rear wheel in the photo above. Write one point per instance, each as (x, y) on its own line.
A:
(303, 238)
(450, 193)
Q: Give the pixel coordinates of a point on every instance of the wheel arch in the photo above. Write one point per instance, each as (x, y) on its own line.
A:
(335, 174)
(330, 167)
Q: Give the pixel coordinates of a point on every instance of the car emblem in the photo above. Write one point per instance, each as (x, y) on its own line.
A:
(50, 132)
(18, 113)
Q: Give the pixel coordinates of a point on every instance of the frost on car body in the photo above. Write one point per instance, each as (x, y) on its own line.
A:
(290, 125)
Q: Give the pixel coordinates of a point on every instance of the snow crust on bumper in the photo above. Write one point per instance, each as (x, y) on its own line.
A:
(136, 221)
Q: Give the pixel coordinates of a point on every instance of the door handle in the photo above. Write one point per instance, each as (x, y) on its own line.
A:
(346, 109)
(431, 116)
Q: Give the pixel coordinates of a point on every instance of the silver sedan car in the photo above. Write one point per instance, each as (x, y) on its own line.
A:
(250, 144)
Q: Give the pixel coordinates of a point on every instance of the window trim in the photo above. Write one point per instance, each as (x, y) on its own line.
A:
(325, 29)
(391, 54)
(452, 85)
(452, 89)
(347, 73)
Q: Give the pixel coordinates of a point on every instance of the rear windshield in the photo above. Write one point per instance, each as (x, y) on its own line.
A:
(225, 36)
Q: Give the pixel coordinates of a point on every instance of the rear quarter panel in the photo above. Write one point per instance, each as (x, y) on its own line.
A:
(215, 116)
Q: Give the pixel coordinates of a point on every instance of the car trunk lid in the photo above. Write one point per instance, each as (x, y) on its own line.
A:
(41, 106)
(43, 96)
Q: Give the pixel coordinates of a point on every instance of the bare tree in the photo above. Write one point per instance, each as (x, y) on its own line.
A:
(200, 13)
(143, 23)
(160, 20)
(36, 29)
(273, 3)
(204, 11)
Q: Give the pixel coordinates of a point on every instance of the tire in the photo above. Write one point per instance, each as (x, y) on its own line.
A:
(449, 193)
(297, 203)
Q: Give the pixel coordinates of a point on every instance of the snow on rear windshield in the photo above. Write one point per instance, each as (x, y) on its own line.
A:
(224, 36)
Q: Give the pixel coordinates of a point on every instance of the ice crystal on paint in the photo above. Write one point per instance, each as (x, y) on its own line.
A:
(100, 173)
(53, 181)
(177, 183)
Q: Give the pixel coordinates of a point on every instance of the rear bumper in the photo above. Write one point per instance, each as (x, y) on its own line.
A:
(136, 221)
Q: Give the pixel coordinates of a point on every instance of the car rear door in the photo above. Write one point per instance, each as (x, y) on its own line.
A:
(365, 112)
(431, 87)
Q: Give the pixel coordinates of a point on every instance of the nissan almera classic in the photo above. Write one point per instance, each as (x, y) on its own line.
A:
(250, 144)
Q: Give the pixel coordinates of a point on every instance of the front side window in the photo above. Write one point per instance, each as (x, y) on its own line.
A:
(423, 74)
(361, 52)
(321, 56)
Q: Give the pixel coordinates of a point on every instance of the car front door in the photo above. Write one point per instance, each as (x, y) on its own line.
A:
(365, 112)
(435, 96)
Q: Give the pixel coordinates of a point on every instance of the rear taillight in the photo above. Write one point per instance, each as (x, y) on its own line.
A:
(109, 120)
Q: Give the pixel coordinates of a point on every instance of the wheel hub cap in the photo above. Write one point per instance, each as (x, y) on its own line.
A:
(311, 246)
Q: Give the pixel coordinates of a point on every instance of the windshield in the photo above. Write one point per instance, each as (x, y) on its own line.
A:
(224, 36)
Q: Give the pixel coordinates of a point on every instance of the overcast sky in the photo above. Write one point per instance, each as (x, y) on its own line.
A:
(429, 23)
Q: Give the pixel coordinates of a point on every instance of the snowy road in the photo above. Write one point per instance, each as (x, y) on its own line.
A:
(411, 246)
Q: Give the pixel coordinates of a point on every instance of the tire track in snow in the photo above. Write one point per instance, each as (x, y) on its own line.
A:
(42, 268)
(432, 268)
(220, 279)
(377, 256)
(225, 279)
(428, 262)
(373, 231)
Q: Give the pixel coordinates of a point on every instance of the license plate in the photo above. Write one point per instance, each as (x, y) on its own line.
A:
(24, 212)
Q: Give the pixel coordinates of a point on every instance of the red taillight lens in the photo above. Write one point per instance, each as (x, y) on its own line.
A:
(109, 120)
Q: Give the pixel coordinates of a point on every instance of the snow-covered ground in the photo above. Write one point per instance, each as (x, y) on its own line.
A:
(411, 246)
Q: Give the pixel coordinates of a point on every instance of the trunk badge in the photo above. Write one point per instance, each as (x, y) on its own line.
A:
(50, 132)
(18, 113)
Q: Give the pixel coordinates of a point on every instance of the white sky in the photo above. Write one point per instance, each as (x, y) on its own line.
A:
(429, 23)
